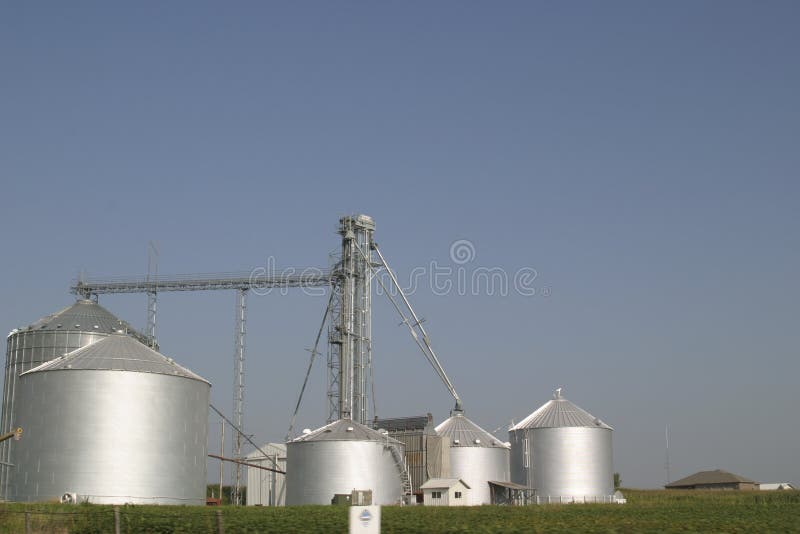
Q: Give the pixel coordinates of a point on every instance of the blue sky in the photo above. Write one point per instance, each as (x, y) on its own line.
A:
(642, 157)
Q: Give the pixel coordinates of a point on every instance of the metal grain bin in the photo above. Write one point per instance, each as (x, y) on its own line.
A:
(52, 336)
(476, 456)
(564, 453)
(113, 422)
(340, 457)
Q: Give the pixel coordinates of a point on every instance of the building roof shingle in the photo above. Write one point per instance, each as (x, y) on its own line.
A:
(718, 476)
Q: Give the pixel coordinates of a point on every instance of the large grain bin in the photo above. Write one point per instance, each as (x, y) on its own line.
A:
(564, 453)
(112, 422)
(476, 456)
(340, 457)
(50, 337)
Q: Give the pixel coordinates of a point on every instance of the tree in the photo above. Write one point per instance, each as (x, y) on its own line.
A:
(617, 481)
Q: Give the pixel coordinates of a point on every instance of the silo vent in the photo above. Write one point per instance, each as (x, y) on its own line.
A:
(96, 326)
(456, 441)
(306, 431)
(477, 441)
(77, 326)
(349, 428)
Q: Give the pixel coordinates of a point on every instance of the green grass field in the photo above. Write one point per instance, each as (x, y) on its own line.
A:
(646, 511)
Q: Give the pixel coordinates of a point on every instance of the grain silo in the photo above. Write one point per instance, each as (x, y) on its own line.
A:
(563, 453)
(476, 456)
(52, 336)
(113, 422)
(341, 457)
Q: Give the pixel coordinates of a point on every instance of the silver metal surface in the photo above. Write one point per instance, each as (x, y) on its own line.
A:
(563, 463)
(112, 436)
(477, 466)
(238, 391)
(350, 332)
(74, 327)
(267, 488)
(559, 412)
(116, 352)
(476, 456)
(334, 460)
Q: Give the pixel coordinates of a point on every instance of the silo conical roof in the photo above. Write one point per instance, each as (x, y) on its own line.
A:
(559, 412)
(117, 352)
(465, 433)
(345, 430)
(84, 315)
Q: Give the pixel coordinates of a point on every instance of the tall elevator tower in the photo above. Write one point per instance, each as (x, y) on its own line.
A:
(350, 326)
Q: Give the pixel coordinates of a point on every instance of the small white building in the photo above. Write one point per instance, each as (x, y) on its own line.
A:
(267, 488)
(772, 486)
(445, 492)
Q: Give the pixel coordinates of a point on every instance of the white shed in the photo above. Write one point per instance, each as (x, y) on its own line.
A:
(267, 488)
(772, 486)
(445, 492)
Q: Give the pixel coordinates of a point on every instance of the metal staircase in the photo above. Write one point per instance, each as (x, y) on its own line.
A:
(402, 467)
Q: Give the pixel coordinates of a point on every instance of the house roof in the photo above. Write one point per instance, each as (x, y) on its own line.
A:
(718, 476)
(443, 483)
(509, 485)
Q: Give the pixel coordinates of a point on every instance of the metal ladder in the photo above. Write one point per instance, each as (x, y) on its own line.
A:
(402, 467)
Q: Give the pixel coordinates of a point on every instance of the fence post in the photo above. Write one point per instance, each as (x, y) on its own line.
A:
(28, 523)
(116, 520)
(220, 529)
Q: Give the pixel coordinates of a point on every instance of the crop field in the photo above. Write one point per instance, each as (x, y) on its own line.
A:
(646, 511)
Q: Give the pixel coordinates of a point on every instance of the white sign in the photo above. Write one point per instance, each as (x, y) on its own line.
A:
(365, 519)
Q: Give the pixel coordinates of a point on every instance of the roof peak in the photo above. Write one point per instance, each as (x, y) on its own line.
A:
(464, 432)
(559, 412)
(117, 352)
(344, 430)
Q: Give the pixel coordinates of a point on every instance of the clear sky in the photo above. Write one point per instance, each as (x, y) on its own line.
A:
(642, 157)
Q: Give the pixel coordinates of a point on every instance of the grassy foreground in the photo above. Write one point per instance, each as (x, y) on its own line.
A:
(646, 511)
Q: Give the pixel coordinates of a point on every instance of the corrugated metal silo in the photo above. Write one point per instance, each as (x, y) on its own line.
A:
(52, 336)
(114, 422)
(564, 453)
(476, 456)
(340, 457)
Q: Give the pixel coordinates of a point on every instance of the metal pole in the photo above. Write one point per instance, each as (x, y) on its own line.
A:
(152, 295)
(221, 453)
(238, 390)
(220, 529)
(28, 523)
(116, 520)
